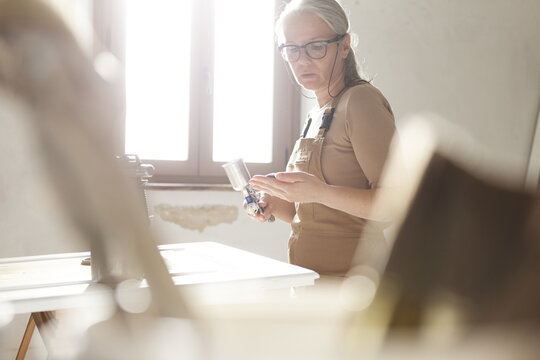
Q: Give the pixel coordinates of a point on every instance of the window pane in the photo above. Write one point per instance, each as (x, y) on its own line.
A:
(243, 80)
(158, 34)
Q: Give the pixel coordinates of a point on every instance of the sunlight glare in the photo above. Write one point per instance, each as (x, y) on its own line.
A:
(243, 84)
(157, 78)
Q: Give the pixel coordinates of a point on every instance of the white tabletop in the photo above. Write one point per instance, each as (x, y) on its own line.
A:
(52, 282)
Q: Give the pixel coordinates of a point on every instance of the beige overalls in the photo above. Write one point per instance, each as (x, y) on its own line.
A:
(322, 239)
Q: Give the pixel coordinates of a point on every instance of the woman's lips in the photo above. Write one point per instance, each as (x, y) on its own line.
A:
(307, 75)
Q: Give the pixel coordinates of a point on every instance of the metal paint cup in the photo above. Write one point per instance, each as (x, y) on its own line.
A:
(238, 174)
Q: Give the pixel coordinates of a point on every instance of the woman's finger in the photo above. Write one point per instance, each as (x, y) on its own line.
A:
(278, 191)
(291, 177)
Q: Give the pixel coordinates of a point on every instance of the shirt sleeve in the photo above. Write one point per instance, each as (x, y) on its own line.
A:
(370, 126)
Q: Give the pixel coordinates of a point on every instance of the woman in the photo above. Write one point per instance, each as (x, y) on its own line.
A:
(333, 173)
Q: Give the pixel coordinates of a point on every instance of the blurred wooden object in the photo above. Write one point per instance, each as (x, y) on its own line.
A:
(67, 108)
(532, 180)
(468, 245)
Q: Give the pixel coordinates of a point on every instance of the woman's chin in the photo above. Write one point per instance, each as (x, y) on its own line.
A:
(309, 85)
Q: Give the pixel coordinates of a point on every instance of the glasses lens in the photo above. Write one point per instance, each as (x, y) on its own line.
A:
(316, 50)
(290, 53)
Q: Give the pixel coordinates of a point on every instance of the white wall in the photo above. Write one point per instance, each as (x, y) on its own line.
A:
(476, 63)
(269, 239)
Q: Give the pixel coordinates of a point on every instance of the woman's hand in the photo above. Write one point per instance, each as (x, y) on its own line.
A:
(266, 204)
(286, 188)
(297, 186)
(274, 206)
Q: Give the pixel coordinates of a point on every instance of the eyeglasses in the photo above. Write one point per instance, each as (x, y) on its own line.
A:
(314, 49)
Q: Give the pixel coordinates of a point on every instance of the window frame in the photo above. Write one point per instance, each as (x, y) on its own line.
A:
(109, 23)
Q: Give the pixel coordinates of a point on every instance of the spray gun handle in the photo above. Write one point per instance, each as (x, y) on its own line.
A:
(252, 202)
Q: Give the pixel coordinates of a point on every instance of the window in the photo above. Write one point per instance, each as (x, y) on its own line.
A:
(204, 85)
(157, 65)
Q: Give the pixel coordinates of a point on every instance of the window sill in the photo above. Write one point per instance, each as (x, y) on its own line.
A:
(189, 187)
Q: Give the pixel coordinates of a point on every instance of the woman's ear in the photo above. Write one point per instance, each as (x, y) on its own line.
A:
(345, 45)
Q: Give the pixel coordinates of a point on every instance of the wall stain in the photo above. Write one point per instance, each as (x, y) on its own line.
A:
(197, 217)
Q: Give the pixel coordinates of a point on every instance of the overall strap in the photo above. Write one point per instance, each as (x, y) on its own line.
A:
(328, 115)
(306, 128)
(326, 121)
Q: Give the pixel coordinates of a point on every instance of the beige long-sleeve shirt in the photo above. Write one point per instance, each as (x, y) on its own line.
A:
(359, 137)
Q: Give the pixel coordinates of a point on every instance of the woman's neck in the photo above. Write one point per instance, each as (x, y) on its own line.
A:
(323, 94)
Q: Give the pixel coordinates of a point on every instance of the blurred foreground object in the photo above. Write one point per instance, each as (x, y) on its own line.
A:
(137, 172)
(462, 278)
(67, 110)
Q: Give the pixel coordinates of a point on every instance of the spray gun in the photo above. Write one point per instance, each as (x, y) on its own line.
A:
(239, 177)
